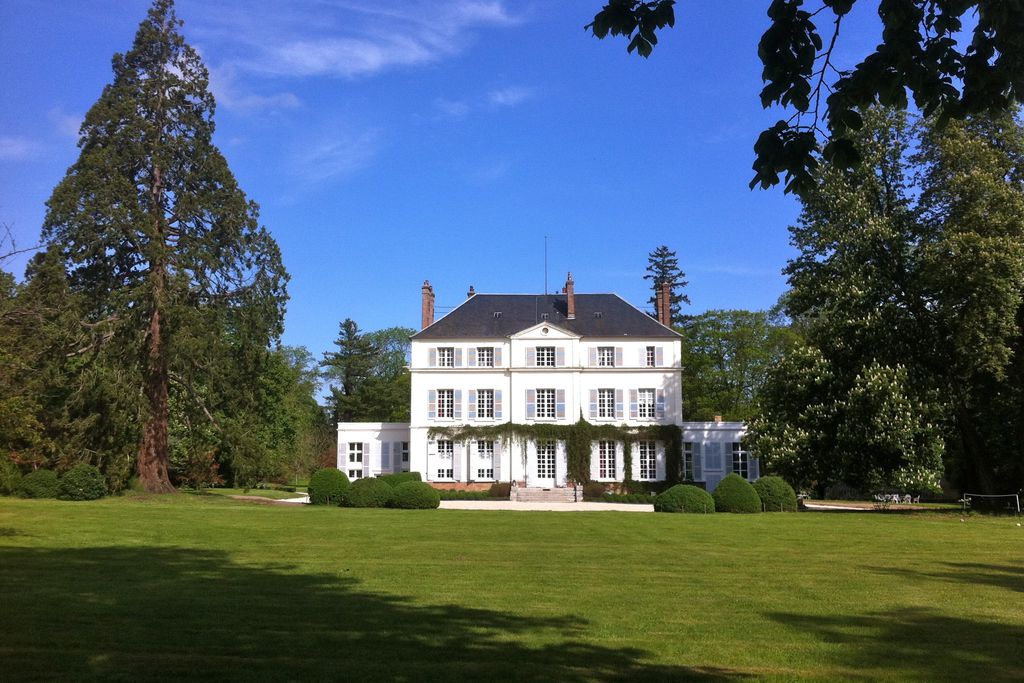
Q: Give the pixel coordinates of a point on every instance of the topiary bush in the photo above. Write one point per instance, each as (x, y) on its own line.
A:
(326, 486)
(82, 482)
(452, 494)
(400, 477)
(415, 495)
(39, 484)
(684, 498)
(10, 477)
(368, 493)
(735, 494)
(775, 494)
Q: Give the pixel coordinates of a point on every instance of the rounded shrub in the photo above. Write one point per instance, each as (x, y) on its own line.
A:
(415, 495)
(39, 484)
(326, 486)
(684, 498)
(775, 494)
(82, 482)
(367, 493)
(400, 477)
(10, 477)
(735, 494)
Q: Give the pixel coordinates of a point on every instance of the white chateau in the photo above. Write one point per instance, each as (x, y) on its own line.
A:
(532, 359)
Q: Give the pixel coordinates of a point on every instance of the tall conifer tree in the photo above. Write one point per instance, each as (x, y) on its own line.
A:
(157, 236)
(663, 266)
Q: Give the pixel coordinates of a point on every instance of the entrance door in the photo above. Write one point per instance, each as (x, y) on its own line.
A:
(545, 470)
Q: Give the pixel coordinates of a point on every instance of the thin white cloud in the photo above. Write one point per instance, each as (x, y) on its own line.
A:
(455, 109)
(337, 156)
(737, 271)
(66, 124)
(510, 96)
(230, 95)
(16, 148)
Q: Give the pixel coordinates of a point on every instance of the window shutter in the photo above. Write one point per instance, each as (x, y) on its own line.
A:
(593, 403)
(560, 403)
(659, 461)
(659, 356)
(643, 356)
(471, 410)
(698, 462)
(396, 450)
(618, 404)
(432, 358)
(497, 460)
(593, 356)
(385, 456)
(620, 462)
(458, 358)
(618, 356)
(633, 408)
(560, 357)
(457, 458)
(560, 463)
(497, 356)
(754, 469)
(531, 403)
(497, 404)
(366, 460)
(659, 406)
(431, 404)
(531, 356)
(595, 462)
(471, 353)
(457, 404)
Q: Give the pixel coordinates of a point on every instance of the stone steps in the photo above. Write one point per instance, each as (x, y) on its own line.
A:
(539, 495)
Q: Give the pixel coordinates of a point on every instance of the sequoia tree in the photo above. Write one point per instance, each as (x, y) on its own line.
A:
(176, 271)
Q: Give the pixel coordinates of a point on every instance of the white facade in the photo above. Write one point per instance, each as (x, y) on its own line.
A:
(369, 449)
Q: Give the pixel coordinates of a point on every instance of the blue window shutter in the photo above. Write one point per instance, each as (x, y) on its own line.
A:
(659, 356)
(431, 404)
(432, 358)
(385, 456)
(618, 356)
(531, 356)
(618, 404)
(497, 404)
(560, 403)
(531, 403)
(593, 356)
(754, 469)
(593, 403)
(472, 358)
(633, 407)
(698, 462)
(560, 357)
(458, 358)
(659, 406)
(497, 356)
(457, 404)
(471, 410)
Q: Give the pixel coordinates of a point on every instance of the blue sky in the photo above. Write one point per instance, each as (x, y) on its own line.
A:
(389, 142)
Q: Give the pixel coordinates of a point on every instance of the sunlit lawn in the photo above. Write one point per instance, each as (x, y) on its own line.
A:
(202, 587)
(273, 494)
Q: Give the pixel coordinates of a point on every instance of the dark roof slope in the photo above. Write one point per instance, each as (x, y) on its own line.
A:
(476, 317)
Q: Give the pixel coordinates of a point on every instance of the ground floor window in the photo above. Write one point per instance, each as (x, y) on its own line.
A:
(648, 460)
(405, 451)
(355, 452)
(355, 474)
(485, 459)
(688, 461)
(445, 453)
(546, 460)
(740, 460)
(606, 459)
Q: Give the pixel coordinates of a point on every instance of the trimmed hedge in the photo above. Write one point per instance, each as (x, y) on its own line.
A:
(776, 495)
(82, 482)
(10, 477)
(451, 494)
(39, 484)
(326, 486)
(636, 498)
(735, 494)
(400, 477)
(415, 495)
(369, 492)
(684, 498)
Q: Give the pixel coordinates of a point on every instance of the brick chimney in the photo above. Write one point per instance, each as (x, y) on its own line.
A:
(570, 298)
(427, 309)
(663, 303)
(471, 293)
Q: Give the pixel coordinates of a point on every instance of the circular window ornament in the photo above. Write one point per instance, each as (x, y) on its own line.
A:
(544, 330)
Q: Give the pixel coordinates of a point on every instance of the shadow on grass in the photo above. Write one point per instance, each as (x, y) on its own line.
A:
(917, 644)
(173, 613)
(1010, 577)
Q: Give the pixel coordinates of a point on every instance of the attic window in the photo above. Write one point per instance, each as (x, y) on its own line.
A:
(497, 314)
(545, 316)
(597, 314)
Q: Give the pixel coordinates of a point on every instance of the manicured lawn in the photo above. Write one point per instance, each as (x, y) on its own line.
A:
(202, 587)
(273, 494)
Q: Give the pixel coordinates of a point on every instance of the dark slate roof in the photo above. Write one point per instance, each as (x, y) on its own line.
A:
(475, 318)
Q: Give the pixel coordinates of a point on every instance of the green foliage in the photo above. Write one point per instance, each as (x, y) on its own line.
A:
(684, 498)
(369, 382)
(400, 477)
(369, 492)
(326, 486)
(39, 484)
(500, 489)
(593, 489)
(10, 477)
(455, 494)
(775, 494)
(82, 482)
(632, 498)
(735, 494)
(663, 266)
(414, 495)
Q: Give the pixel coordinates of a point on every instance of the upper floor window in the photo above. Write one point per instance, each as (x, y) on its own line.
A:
(648, 460)
(545, 403)
(485, 357)
(606, 356)
(652, 357)
(740, 460)
(445, 403)
(545, 356)
(485, 404)
(606, 403)
(645, 403)
(446, 357)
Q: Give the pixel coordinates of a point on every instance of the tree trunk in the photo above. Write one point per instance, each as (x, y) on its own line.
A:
(153, 459)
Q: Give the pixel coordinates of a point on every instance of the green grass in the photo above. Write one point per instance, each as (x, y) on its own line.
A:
(273, 494)
(203, 587)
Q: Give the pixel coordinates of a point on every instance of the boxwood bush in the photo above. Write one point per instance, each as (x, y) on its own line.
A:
(684, 498)
(776, 495)
(400, 477)
(735, 494)
(326, 486)
(415, 495)
(369, 492)
(39, 484)
(82, 482)
(452, 494)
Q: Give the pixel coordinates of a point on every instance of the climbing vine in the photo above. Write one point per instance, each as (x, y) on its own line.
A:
(578, 439)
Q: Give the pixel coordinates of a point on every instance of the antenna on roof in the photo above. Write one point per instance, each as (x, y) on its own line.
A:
(545, 265)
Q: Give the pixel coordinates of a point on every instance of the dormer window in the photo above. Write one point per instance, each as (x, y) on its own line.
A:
(446, 357)
(597, 314)
(497, 314)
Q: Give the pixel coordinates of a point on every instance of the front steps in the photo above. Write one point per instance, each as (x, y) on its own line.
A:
(538, 495)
